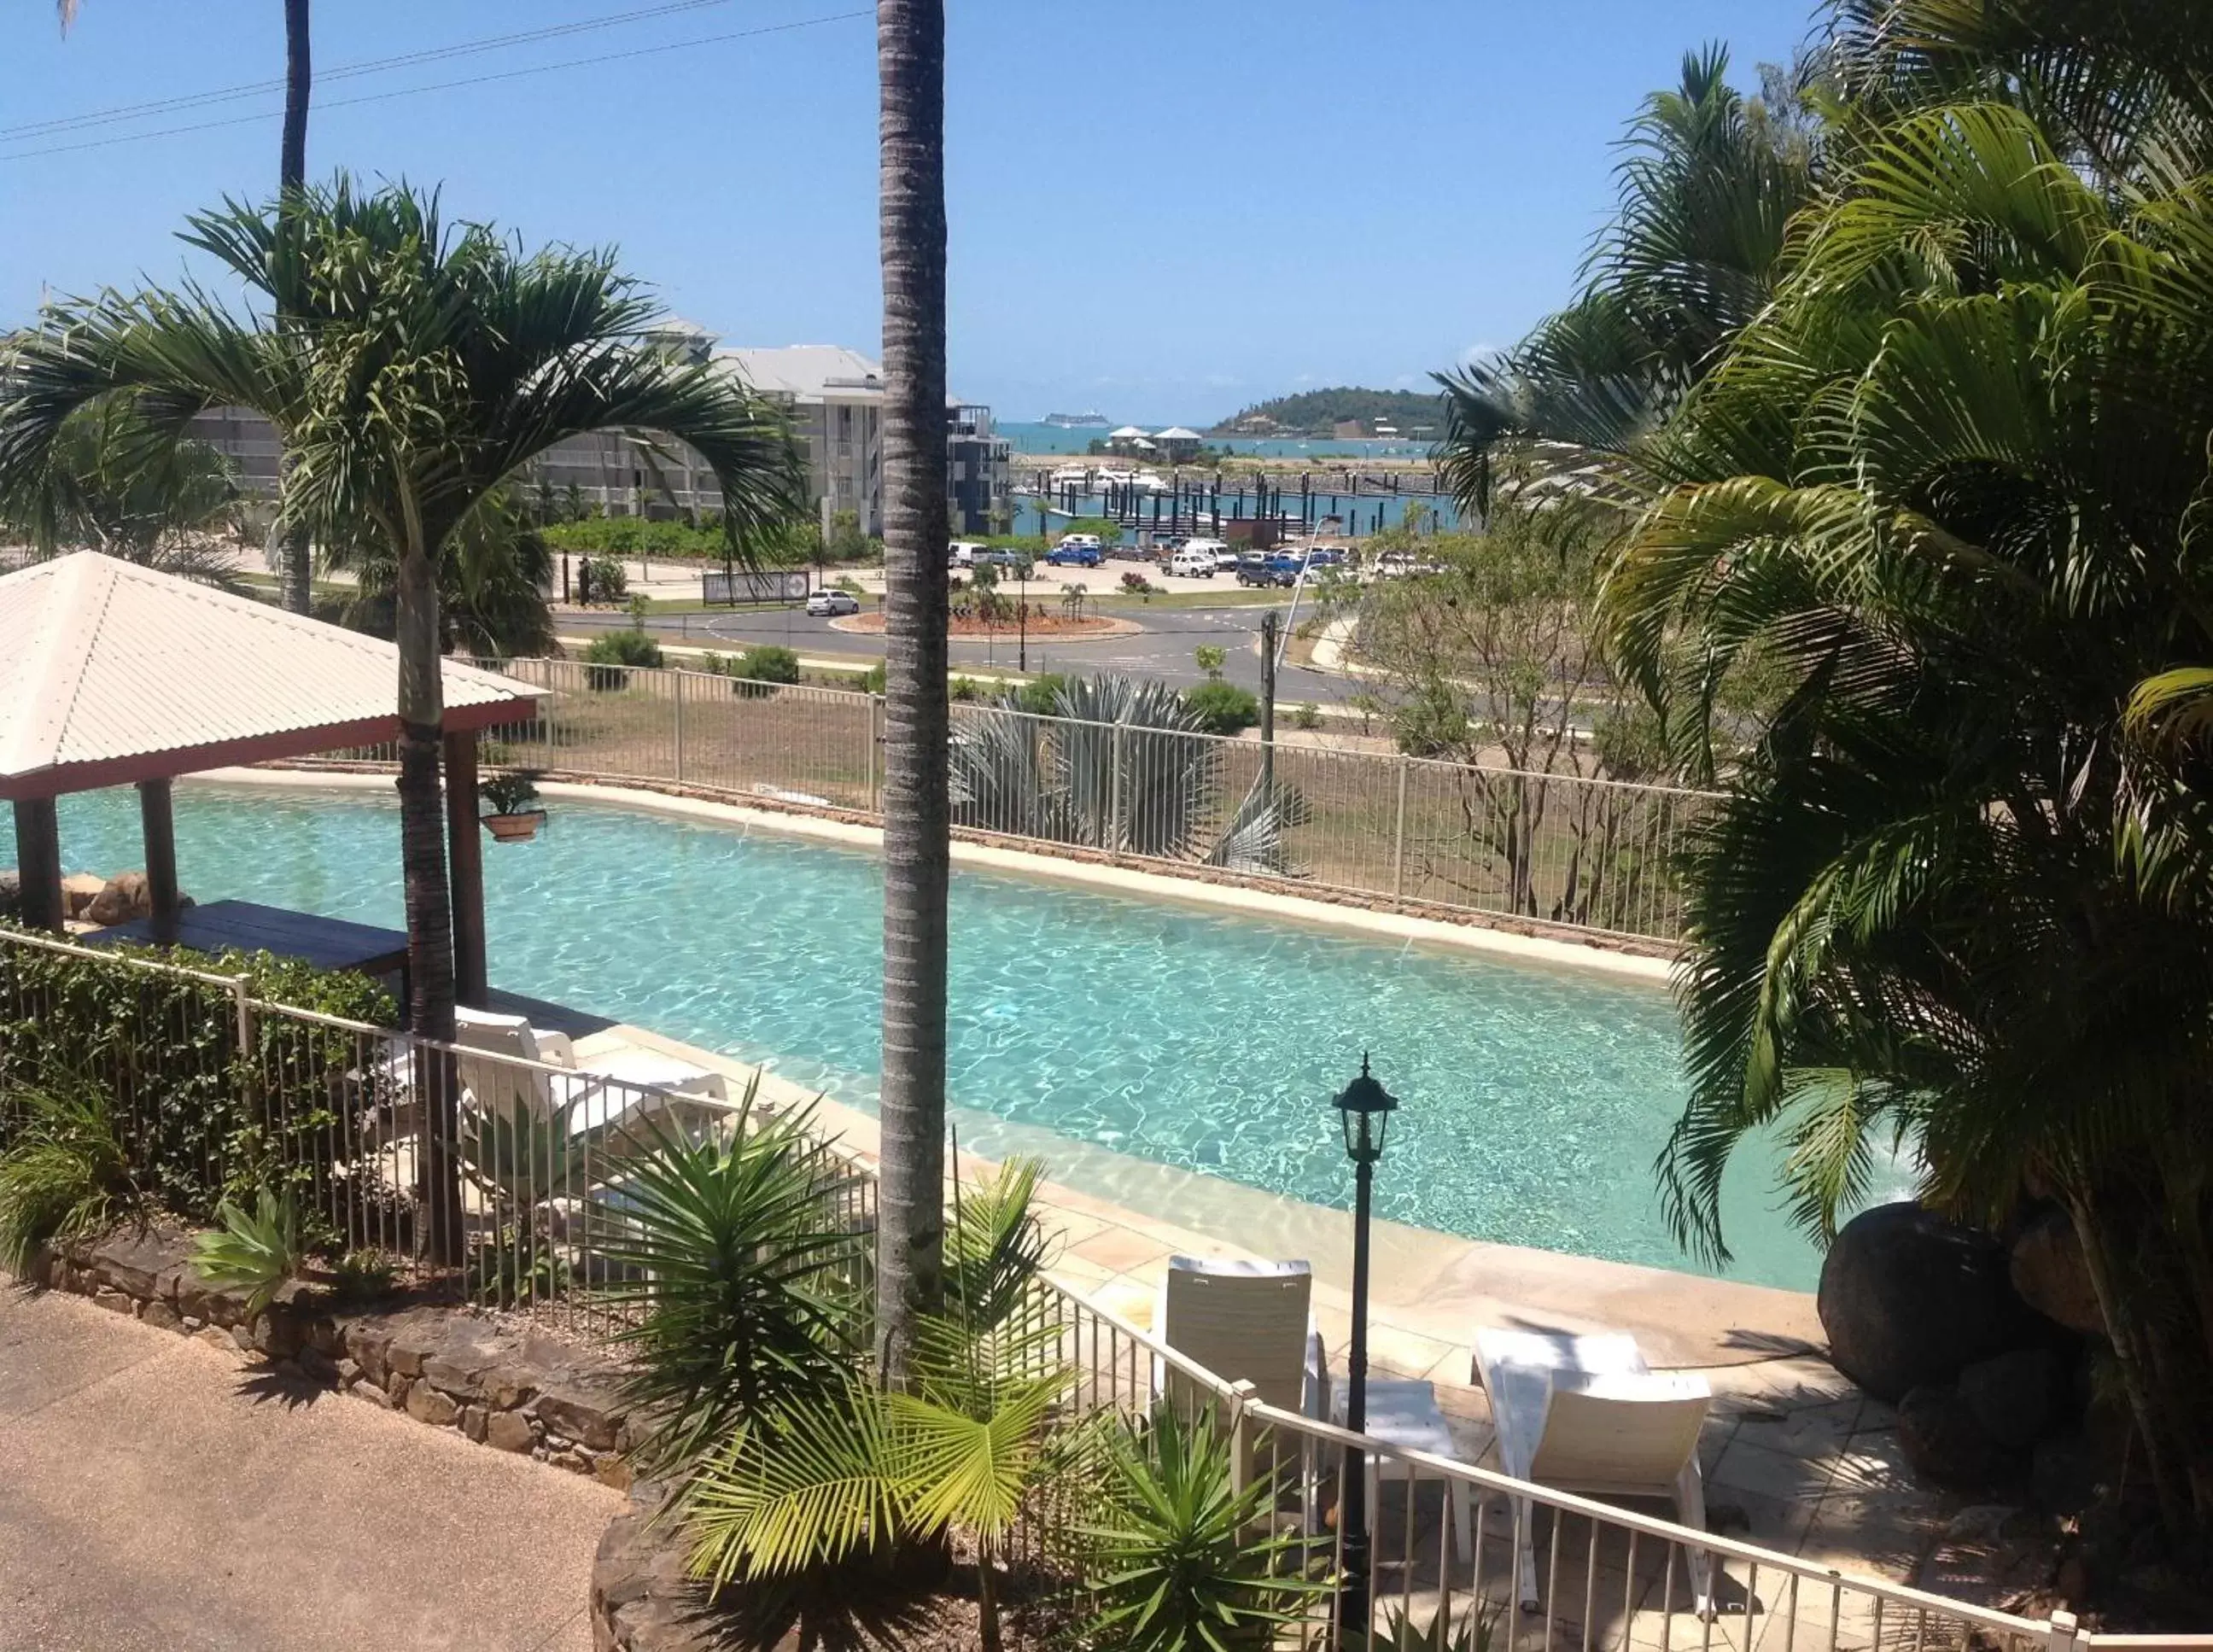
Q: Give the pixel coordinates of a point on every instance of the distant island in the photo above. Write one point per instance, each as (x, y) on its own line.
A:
(1073, 421)
(1344, 411)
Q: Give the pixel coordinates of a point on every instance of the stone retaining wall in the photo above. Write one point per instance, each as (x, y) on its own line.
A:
(497, 1383)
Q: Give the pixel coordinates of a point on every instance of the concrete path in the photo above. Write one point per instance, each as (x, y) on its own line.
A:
(159, 1493)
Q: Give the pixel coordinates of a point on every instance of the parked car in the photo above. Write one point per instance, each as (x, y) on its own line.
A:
(1069, 553)
(832, 603)
(1190, 563)
(1218, 549)
(1326, 556)
(1267, 570)
(1131, 550)
(1014, 562)
(962, 553)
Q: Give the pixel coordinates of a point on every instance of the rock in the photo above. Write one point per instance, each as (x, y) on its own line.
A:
(163, 1316)
(367, 1390)
(348, 1371)
(319, 1367)
(2068, 1472)
(1909, 1299)
(472, 1422)
(615, 1472)
(426, 1405)
(126, 896)
(582, 1412)
(1942, 1442)
(115, 1301)
(2048, 1272)
(396, 1385)
(139, 1265)
(2019, 1396)
(78, 891)
(279, 1334)
(508, 1431)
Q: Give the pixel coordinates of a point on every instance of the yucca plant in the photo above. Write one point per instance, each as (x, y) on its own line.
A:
(1473, 1629)
(1181, 1558)
(857, 1469)
(744, 1286)
(254, 1252)
(64, 1176)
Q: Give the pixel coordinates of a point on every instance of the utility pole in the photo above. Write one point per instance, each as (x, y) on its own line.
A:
(1269, 621)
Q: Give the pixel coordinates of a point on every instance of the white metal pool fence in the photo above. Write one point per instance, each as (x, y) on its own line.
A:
(211, 1087)
(1558, 849)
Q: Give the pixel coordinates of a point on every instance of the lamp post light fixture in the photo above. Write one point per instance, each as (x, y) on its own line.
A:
(1364, 1108)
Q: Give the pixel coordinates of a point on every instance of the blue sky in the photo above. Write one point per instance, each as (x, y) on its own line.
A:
(1163, 209)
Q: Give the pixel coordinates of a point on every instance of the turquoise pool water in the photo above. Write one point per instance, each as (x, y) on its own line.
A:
(1533, 1101)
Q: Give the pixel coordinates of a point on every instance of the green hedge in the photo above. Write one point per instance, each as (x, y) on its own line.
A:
(637, 536)
(200, 1120)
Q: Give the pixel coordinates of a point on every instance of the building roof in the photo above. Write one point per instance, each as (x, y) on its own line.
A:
(1177, 433)
(811, 372)
(112, 673)
(1124, 434)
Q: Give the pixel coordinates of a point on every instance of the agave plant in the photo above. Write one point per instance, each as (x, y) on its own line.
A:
(856, 1469)
(744, 1292)
(1173, 1562)
(254, 1252)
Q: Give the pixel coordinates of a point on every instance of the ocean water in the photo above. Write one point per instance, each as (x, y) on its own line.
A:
(1533, 1101)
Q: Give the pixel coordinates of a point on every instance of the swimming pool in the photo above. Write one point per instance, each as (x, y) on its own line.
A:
(1532, 1099)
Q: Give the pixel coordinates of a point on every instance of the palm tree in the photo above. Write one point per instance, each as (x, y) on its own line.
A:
(1708, 185)
(1953, 480)
(291, 177)
(436, 366)
(910, 72)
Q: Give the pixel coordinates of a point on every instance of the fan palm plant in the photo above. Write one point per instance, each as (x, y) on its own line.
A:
(859, 1468)
(1952, 481)
(104, 490)
(438, 362)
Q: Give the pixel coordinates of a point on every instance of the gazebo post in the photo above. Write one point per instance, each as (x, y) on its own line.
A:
(465, 853)
(157, 826)
(38, 861)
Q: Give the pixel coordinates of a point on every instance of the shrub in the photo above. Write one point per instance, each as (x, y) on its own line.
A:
(1212, 657)
(767, 664)
(1172, 1560)
(64, 1176)
(746, 1278)
(1041, 696)
(1222, 708)
(197, 1118)
(872, 679)
(601, 579)
(366, 1273)
(963, 691)
(1137, 584)
(1307, 715)
(254, 1252)
(612, 655)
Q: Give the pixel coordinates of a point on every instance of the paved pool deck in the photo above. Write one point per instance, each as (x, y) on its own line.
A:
(1796, 1458)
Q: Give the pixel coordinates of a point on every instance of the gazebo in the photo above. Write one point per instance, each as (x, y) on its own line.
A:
(114, 674)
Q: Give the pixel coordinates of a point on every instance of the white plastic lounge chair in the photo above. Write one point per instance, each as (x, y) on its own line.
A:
(582, 1097)
(1246, 1322)
(1403, 1412)
(1588, 1415)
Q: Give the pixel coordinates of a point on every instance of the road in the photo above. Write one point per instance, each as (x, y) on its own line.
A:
(1164, 650)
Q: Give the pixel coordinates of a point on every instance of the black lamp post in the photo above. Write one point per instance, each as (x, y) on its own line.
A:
(1364, 1108)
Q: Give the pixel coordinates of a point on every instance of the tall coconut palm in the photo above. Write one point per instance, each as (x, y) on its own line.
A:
(435, 365)
(294, 554)
(1955, 480)
(910, 72)
(1707, 183)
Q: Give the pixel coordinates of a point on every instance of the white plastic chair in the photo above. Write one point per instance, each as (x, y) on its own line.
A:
(1588, 1415)
(582, 1097)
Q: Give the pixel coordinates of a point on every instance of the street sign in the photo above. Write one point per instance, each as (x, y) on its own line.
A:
(731, 586)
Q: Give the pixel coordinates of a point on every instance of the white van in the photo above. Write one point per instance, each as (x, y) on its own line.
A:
(962, 553)
(1194, 561)
(1218, 549)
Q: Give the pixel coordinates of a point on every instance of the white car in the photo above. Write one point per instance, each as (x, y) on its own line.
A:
(962, 553)
(832, 603)
(1192, 563)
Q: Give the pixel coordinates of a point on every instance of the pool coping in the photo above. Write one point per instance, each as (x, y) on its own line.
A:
(1153, 885)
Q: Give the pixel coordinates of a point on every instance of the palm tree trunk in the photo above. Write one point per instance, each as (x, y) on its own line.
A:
(429, 903)
(910, 1214)
(295, 556)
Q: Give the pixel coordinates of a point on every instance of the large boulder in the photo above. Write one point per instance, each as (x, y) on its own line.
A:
(2020, 1396)
(1909, 1300)
(79, 890)
(2049, 1274)
(125, 896)
(1943, 1442)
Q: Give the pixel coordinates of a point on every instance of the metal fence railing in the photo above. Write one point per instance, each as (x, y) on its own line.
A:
(1560, 849)
(212, 1089)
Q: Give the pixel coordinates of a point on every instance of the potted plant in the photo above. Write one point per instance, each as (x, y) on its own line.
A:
(511, 798)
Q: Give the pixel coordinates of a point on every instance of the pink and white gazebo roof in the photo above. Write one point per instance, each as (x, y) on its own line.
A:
(111, 672)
